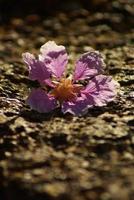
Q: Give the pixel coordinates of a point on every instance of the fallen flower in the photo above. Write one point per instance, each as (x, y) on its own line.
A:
(69, 93)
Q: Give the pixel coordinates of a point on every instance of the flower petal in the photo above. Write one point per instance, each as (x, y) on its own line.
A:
(41, 101)
(89, 65)
(77, 107)
(54, 57)
(100, 90)
(37, 70)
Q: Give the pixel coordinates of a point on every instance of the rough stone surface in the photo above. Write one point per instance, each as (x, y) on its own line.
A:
(56, 157)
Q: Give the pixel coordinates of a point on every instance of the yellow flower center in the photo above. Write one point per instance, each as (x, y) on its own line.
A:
(65, 90)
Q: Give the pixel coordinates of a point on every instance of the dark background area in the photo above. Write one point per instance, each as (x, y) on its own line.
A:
(42, 8)
(15, 8)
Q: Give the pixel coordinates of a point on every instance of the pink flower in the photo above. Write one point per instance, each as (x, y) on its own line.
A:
(70, 93)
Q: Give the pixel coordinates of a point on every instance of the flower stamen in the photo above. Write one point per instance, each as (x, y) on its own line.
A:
(65, 90)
